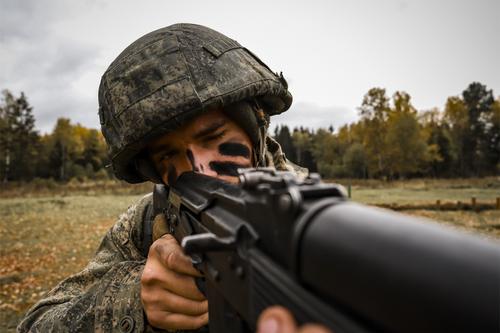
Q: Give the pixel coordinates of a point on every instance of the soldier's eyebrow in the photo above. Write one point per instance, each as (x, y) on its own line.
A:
(162, 148)
(214, 126)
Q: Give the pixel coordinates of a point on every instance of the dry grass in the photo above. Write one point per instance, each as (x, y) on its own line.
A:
(50, 188)
(486, 223)
(424, 191)
(45, 239)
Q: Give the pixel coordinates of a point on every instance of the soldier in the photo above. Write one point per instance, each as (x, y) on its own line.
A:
(181, 98)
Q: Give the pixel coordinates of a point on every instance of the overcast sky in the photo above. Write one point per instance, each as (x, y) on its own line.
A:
(331, 52)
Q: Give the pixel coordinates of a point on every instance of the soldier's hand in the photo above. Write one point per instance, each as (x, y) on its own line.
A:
(169, 294)
(277, 319)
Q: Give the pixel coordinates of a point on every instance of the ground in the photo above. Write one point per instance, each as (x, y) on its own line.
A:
(50, 232)
(425, 192)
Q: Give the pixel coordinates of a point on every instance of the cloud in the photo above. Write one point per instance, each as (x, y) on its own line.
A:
(30, 19)
(36, 59)
(56, 50)
(311, 115)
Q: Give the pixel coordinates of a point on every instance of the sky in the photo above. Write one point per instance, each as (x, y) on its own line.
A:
(330, 52)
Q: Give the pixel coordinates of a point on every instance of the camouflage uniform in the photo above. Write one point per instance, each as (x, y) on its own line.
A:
(105, 295)
(159, 82)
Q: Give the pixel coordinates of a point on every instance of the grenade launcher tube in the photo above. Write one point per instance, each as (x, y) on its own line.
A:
(400, 273)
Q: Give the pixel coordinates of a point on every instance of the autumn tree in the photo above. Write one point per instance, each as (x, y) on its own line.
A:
(457, 120)
(94, 152)
(436, 132)
(75, 151)
(406, 149)
(325, 150)
(354, 161)
(65, 148)
(374, 112)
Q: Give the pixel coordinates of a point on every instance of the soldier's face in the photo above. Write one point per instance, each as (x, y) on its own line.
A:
(211, 144)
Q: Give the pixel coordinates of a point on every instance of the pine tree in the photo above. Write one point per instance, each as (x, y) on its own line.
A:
(18, 138)
(478, 101)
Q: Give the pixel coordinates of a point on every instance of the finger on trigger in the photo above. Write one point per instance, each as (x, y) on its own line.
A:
(182, 285)
(172, 257)
(181, 263)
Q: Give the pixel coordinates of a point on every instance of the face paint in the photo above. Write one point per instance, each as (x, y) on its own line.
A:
(171, 175)
(227, 168)
(211, 143)
(234, 149)
(190, 157)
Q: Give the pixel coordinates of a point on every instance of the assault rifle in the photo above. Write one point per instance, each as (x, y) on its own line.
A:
(276, 239)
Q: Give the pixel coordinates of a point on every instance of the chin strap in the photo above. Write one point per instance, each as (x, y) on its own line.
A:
(262, 127)
(145, 167)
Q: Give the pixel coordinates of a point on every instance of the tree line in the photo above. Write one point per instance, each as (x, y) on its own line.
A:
(392, 140)
(70, 151)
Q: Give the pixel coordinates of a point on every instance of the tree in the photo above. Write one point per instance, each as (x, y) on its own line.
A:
(478, 101)
(457, 120)
(302, 141)
(18, 138)
(439, 143)
(324, 149)
(66, 149)
(94, 152)
(283, 136)
(354, 161)
(374, 112)
(493, 138)
(405, 143)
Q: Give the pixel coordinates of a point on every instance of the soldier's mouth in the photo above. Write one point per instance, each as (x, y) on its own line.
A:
(227, 168)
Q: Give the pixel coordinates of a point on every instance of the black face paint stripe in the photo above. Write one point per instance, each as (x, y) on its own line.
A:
(227, 168)
(171, 175)
(234, 149)
(190, 157)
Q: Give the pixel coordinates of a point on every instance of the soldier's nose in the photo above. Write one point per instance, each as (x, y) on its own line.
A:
(199, 160)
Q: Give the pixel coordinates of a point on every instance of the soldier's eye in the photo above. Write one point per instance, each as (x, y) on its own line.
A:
(168, 155)
(215, 136)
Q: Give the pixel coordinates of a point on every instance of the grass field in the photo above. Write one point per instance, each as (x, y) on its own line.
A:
(50, 232)
(45, 239)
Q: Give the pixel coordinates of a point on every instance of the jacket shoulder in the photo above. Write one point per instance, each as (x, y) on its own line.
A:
(130, 231)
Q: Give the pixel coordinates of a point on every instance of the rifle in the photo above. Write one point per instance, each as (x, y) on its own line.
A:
(277, 240)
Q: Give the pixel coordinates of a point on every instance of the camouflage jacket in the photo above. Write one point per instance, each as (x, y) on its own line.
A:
(105, 295)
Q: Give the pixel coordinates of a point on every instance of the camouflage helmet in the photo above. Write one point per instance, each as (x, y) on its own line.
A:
(171, 75)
